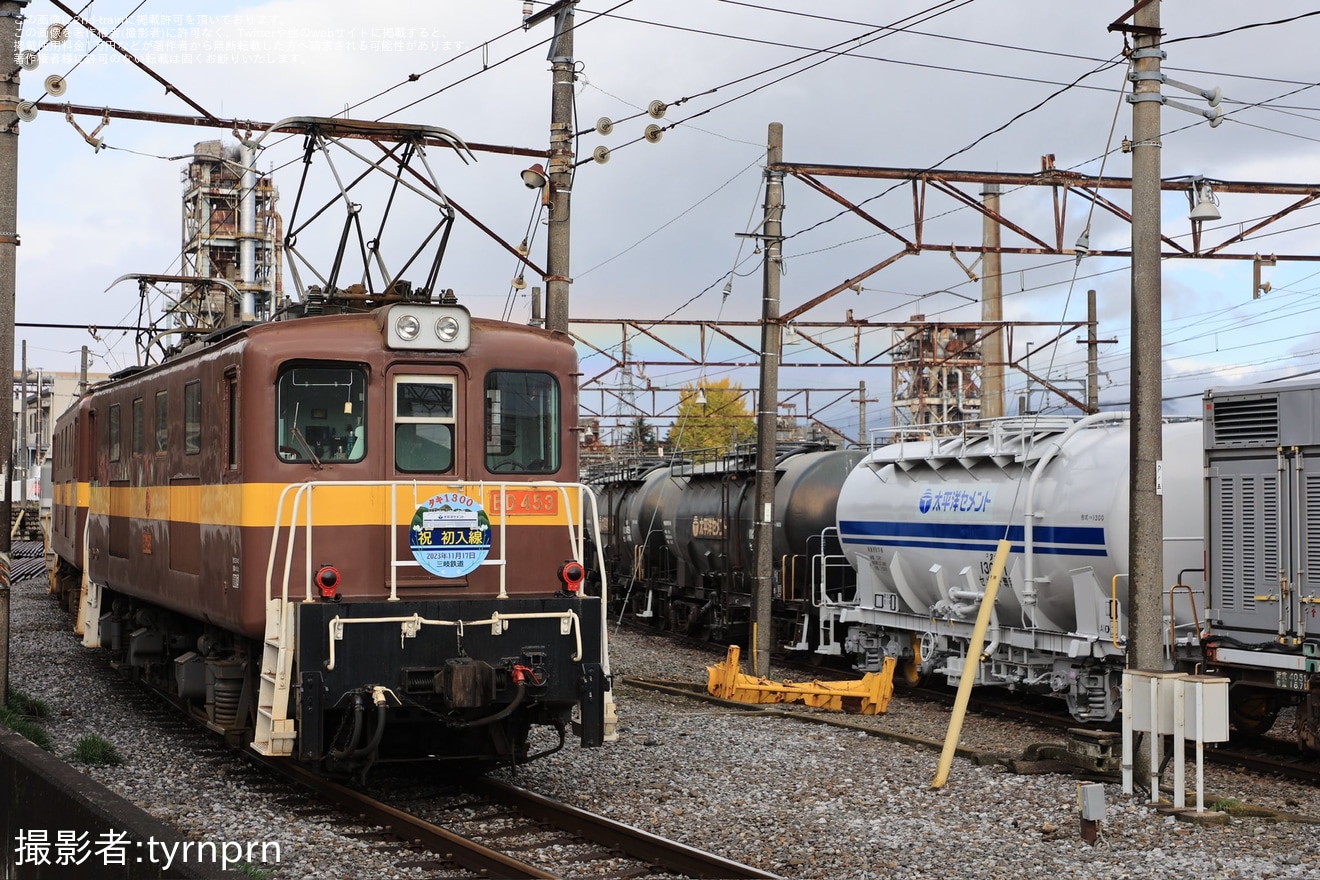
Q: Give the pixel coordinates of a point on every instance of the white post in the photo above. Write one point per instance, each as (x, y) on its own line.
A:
(1200, 746)
(1155, 735)
(1179, 739)
(1127, 731)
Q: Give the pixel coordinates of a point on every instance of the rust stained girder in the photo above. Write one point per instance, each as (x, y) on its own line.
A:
(652, 329)
(829, 193)
(1300, 203)
(980, 208)
(1062, 182)
(1049, 177)
(635, 400)
(1120, 212)
(807, 306)
(105, 38)
(251, 125)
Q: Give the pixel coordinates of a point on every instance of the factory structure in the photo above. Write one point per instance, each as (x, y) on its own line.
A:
(231, 239)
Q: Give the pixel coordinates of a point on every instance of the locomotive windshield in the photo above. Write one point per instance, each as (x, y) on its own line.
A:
(424, 424)
(522, 422)
(320, 412)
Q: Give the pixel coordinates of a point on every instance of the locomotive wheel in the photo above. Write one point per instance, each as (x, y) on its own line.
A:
(1252, 711)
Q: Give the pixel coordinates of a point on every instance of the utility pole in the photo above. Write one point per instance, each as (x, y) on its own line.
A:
(1093, 355)
(22, 466)
(82, 373)
(560, 172)
(11, 25)
(768, 409)
(1146, 512)
(992, 309)
(862, 400)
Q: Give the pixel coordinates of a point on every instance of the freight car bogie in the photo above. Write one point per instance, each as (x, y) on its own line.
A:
(1015, 660)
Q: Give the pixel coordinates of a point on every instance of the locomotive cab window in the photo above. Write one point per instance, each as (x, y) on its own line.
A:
(523, 422)
(320, 413)
(424, 424)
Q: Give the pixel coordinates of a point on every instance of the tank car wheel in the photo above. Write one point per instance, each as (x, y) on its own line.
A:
(1252, 711)
(908, 674)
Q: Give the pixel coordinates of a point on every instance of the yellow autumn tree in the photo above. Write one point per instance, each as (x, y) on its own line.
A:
(712, 414)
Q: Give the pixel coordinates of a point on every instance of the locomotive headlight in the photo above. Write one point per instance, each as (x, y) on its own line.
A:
(447, 328)
(407, 327)
(426, 327)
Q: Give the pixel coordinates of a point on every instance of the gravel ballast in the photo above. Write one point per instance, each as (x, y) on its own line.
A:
(800, 800)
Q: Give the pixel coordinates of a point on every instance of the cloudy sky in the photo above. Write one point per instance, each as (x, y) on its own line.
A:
(974, 85)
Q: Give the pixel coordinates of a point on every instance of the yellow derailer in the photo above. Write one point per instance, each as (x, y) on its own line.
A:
(868, 695)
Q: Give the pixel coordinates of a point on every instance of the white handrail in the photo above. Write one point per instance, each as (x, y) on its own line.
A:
(577, 539)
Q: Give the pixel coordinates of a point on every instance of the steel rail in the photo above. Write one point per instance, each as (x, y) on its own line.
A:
(633, 842)
(451, 847)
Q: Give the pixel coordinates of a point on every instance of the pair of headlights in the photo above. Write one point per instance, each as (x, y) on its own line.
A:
(428, 327)
(447, 328)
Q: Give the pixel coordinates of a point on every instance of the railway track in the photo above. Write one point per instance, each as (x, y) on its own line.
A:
(1266, 756)
(491, 820)
(480, 827)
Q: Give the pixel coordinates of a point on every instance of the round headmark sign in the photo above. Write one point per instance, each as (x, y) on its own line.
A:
(450, 534)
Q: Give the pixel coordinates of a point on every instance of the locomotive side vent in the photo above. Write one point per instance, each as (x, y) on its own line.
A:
(1252, 421)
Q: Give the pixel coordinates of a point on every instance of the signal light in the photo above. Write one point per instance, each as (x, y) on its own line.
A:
(571, 575)
(327, 581)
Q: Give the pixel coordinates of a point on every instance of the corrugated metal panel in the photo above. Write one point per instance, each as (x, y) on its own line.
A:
(1311, 550)
(1246, 422)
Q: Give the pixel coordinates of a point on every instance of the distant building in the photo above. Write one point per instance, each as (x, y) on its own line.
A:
(36, 406)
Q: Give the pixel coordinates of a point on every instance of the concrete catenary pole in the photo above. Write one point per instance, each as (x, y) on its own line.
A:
(861, 414)
(767, 414)
(560, 173)
(11, 26)
(992, 309)
(22, 466)
(1092, 357)
(1146, 514)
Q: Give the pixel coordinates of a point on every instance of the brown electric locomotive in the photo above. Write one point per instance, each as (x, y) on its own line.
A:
(348, 537)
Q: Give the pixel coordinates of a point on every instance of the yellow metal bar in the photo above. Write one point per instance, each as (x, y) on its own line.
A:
(869, 695)
(971, 665)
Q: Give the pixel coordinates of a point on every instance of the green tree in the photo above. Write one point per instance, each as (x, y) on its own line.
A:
(641, 436)
(712, 414)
